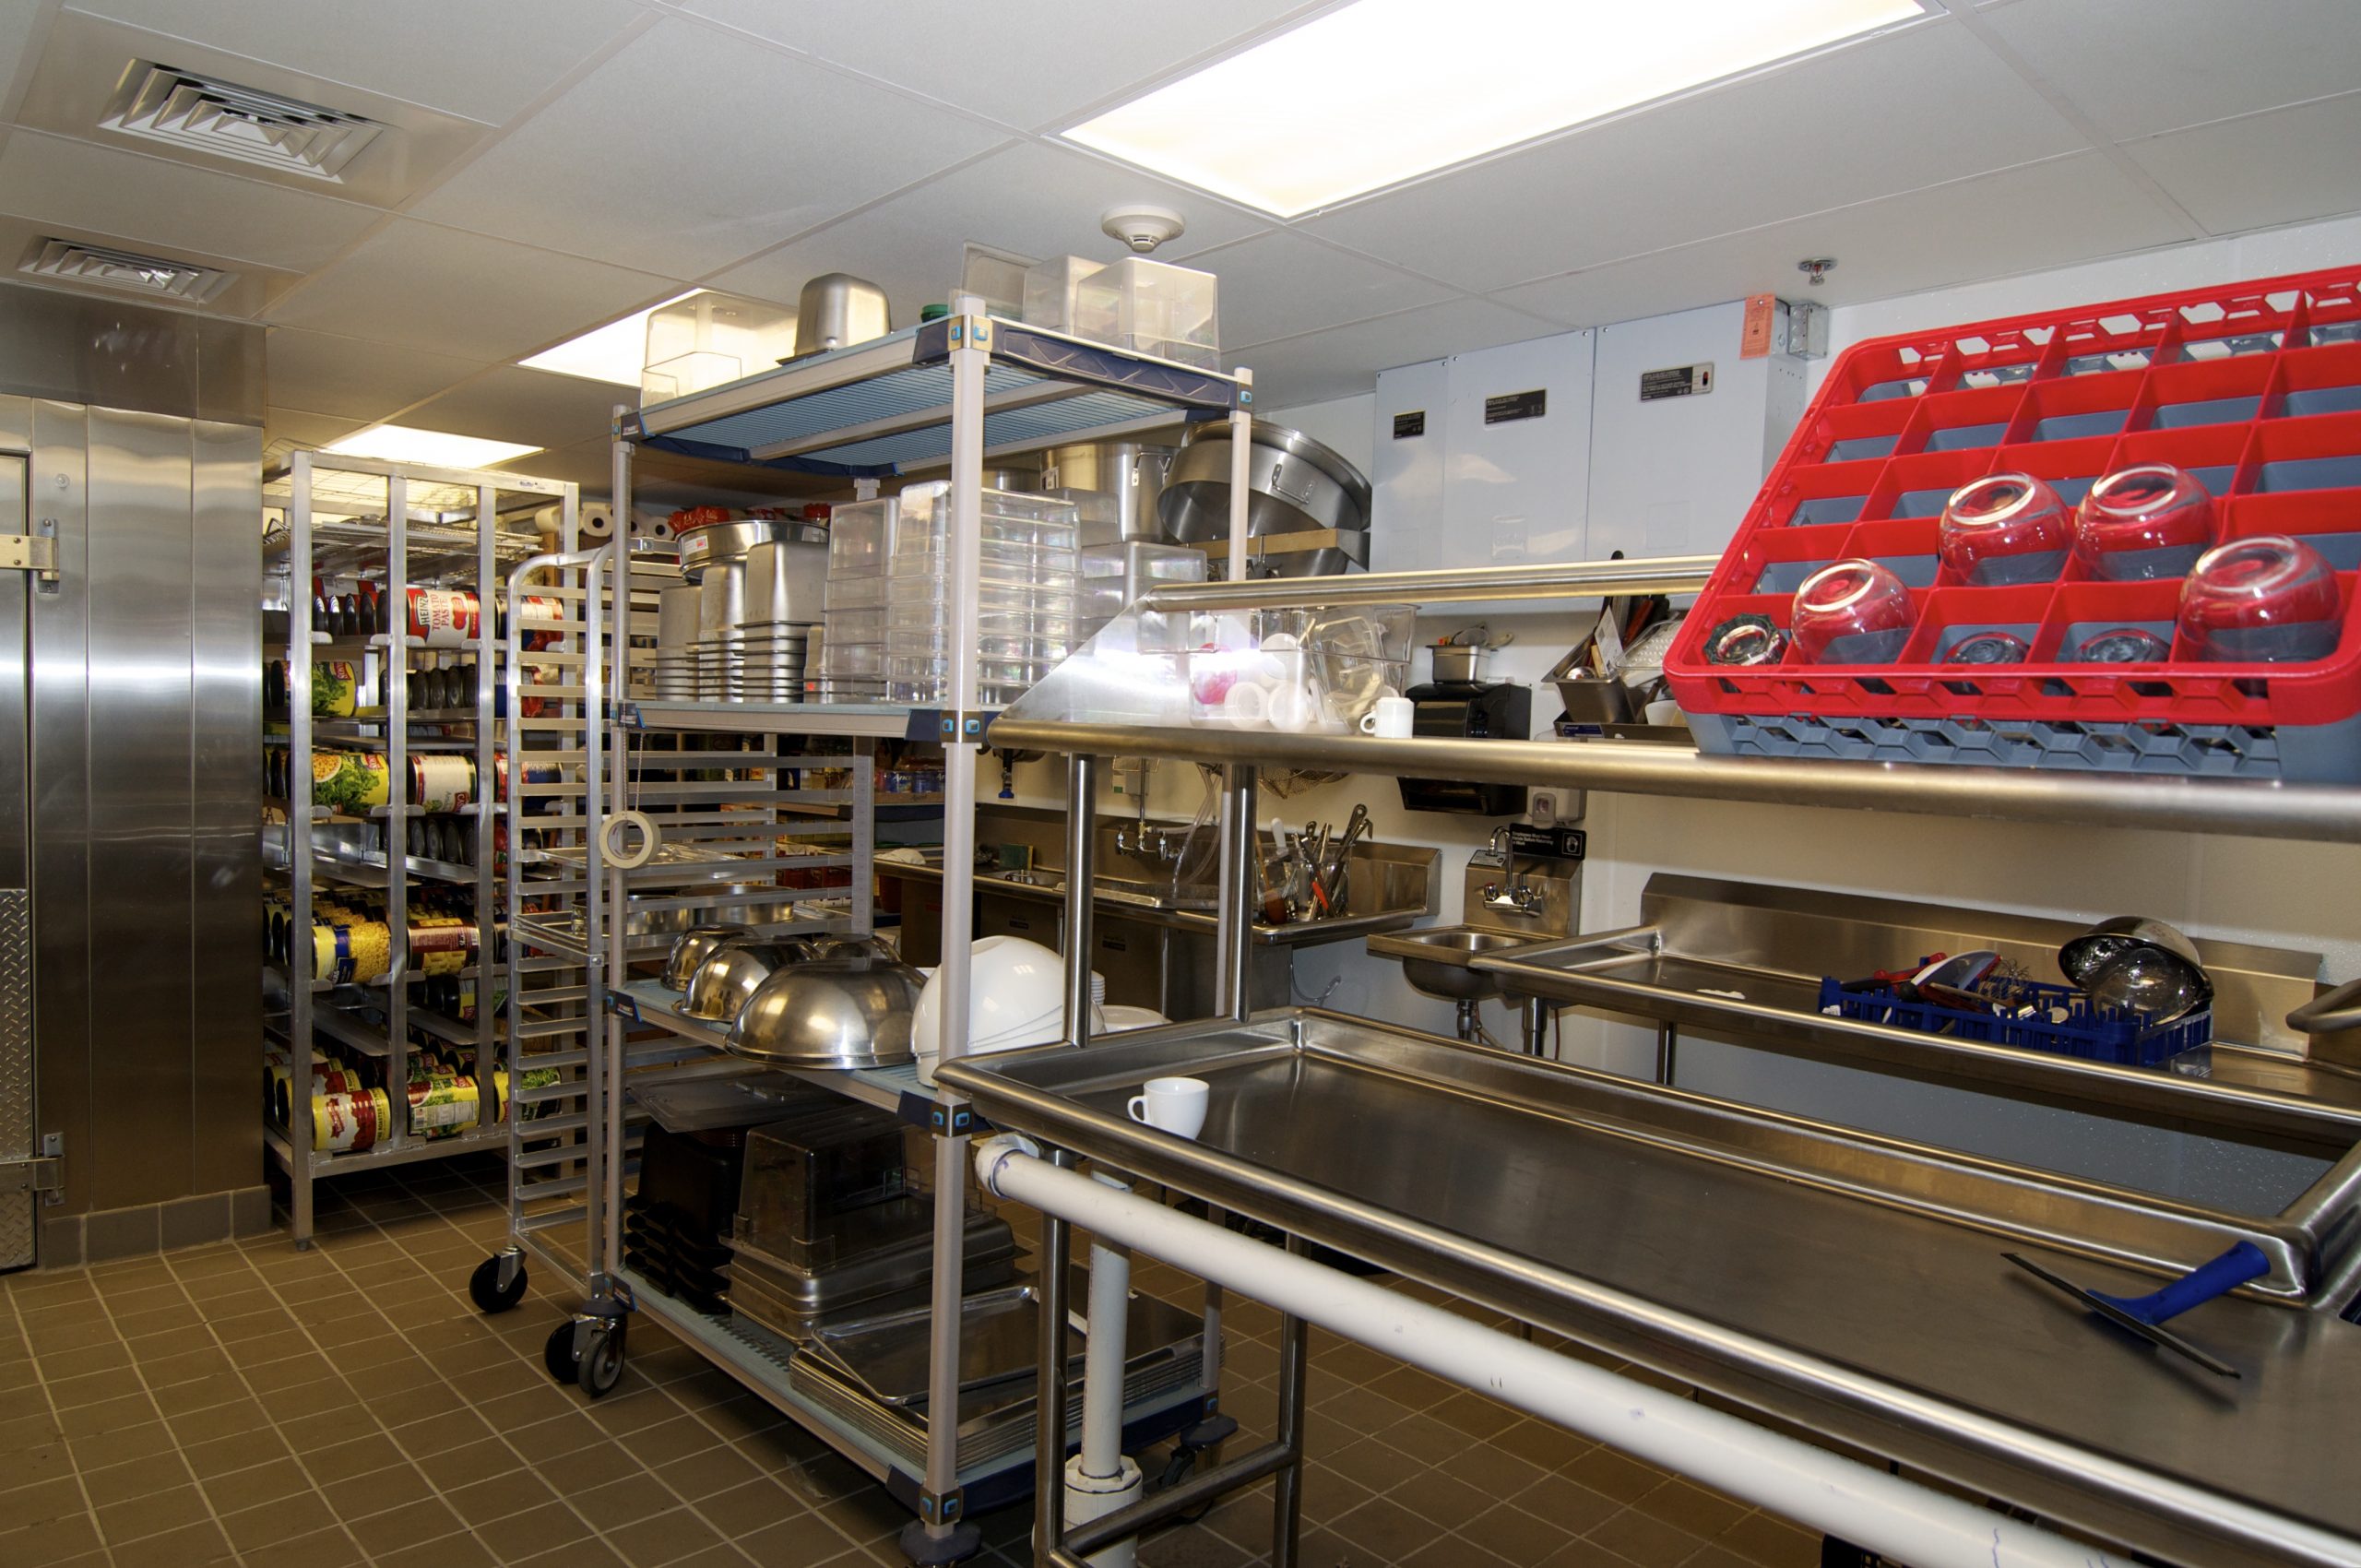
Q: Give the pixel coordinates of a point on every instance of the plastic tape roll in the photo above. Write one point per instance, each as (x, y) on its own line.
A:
(611, 839)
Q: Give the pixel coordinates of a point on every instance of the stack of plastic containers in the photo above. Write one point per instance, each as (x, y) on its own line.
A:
(852, 635)
(1024, 590)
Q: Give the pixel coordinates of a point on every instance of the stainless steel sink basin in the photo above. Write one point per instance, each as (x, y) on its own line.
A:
(1435, 961)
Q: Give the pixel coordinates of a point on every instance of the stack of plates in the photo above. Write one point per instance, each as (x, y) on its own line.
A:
(774, 659)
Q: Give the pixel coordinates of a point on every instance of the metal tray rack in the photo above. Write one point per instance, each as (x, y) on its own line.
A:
(461, 547)
(951, 389)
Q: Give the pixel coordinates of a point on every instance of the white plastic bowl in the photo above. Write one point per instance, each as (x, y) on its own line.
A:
(1012, 986)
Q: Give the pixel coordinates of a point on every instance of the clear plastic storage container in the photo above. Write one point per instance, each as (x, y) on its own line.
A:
(710, 340)
(1151, 307)
(860, 537)
(1051, 291)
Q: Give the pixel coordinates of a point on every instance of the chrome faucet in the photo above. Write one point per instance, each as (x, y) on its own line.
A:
(1520, 896)
(1160, 846)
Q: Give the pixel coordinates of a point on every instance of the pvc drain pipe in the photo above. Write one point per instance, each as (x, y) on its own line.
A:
(1866, 1507)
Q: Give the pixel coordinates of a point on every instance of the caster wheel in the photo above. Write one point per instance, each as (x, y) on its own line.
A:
(602, 1367)
(599, 1369)
(484, 1288)
(558, 1353)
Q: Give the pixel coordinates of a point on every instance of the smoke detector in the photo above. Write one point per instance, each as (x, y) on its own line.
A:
(1142, 227)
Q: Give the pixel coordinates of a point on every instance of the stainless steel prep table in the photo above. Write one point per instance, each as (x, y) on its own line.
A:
(1473, 1169)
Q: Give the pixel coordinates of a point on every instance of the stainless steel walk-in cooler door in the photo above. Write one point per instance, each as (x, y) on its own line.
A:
(19, 1201)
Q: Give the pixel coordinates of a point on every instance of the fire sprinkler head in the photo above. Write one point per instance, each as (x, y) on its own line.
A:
(1142, 227)
(1817, 268)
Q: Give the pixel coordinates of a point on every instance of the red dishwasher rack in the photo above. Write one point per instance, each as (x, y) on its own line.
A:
(2253, 387)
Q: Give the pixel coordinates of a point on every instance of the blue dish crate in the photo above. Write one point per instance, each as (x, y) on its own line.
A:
(2090, 1031)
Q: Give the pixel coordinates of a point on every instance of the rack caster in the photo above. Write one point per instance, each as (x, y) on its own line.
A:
(498, 1282)
(586, 1350)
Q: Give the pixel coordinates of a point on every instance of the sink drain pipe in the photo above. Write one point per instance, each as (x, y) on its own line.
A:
(1866, 1507)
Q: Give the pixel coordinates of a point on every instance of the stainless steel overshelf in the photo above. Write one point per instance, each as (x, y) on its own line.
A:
(2319, 813)
(1743, 961)
(1389, 887)
(1842, 1282)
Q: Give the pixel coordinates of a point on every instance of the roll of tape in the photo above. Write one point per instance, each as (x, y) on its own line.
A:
(611, 839)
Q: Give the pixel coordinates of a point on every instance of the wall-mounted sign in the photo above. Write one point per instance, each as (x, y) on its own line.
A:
(1679, 381)
(1517, 406)
(1410, 424)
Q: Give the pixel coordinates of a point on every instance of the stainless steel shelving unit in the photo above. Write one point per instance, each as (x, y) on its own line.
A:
(430, 524)
(958, 389)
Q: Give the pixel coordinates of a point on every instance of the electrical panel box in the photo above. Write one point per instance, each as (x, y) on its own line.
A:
(1683, 429)
(1483, 459)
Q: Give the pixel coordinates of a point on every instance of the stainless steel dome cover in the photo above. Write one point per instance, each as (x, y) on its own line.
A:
(724, 983)
(697, 944)
(841, 1013)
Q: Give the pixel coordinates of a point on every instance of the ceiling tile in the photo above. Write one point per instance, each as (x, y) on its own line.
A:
(349, 378)
(1345, 359)
(510, 403)
(482, 299)
(460, 56)
(1031, 63)
(1030, 197)
(1280, 284)
(2050, 214)
(1910, 109)
(2140, 66)
(686, 152)
(172, 206)
(300, 428)
(2281, 167)
(17, 26)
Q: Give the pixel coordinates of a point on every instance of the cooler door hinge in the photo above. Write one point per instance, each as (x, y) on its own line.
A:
(30, 553)
(44, 1173)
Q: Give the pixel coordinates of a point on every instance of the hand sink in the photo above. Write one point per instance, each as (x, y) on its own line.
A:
(1435, 961)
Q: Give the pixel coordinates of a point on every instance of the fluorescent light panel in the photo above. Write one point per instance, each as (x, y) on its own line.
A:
(611, 353)
(1381, 91)
(402, 443)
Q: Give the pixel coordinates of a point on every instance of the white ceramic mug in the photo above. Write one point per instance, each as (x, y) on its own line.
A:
(1174, 1105)
(1390, 718)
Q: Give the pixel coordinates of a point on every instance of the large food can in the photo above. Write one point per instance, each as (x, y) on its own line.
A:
(354, 954)
(443, 617)
(351, 782)
(442, 781)
(441, 944)
(346, 1121)
(441, 1105)
(335, 689)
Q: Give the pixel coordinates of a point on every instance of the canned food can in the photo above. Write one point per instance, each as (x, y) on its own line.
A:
(440, 944)
(442, 782)
(341, 1123)
(350, 781)
(335, 689)
(444, 617)
(353, 954)
(441, 1105)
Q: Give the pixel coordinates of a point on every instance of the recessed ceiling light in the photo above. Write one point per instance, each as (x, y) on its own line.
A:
(612, 353)
(401, 444)
(1381, 91)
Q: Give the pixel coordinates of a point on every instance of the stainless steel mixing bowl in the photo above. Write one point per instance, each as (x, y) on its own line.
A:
(2079, 959)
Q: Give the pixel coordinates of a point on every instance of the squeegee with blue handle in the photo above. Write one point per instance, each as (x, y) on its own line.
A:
(2144, 1315)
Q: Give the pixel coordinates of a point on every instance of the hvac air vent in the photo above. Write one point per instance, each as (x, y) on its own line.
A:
(71, 261)
(183, 109)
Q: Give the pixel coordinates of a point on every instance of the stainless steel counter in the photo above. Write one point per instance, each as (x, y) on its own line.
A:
(1813, 1287)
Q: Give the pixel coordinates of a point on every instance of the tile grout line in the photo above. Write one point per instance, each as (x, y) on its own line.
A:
(56, 1420)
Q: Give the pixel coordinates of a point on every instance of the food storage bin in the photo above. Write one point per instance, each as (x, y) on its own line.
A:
(1050, 289)
(710, 340)
(1151, 307)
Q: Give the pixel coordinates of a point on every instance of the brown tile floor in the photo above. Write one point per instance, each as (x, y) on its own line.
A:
(250, 1404)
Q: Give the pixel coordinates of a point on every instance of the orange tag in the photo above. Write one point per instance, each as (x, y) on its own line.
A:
(1755, 342)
